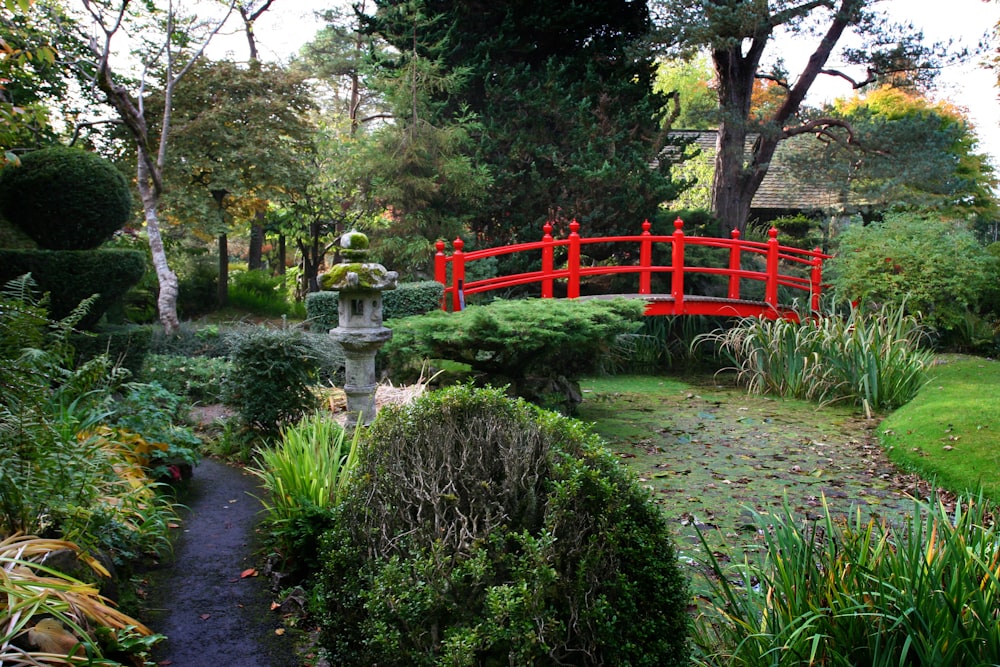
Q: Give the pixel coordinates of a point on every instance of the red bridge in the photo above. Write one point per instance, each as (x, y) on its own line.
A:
(775, 265)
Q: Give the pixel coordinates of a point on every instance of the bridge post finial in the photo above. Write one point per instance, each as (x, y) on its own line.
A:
(678, 224)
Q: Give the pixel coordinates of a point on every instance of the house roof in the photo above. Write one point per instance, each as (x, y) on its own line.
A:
(784, 187)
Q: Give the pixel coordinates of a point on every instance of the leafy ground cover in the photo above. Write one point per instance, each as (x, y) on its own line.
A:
(712, 454)
(949, 431)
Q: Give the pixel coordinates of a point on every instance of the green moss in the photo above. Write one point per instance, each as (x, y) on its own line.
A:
(370, 276)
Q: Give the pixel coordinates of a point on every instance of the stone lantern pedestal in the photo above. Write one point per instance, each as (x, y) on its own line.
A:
(360, 332)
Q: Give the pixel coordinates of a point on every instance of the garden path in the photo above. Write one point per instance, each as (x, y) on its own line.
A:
(213, 615)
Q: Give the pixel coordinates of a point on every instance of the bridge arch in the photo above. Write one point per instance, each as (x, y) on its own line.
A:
(799, 271)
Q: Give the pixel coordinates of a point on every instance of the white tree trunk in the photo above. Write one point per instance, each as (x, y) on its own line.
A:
(167, 301)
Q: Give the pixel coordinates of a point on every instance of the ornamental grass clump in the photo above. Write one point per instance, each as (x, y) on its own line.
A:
(872, 360)
(860, 592)
(305, 475)
(49, 616)
(480, 530)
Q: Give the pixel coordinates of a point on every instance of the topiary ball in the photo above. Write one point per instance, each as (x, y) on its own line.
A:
(65, 198)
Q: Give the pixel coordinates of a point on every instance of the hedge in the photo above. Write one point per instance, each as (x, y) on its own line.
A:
(70, 276)
(406, 300)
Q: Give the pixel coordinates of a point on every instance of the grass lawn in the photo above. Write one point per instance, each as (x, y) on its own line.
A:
(951, 431)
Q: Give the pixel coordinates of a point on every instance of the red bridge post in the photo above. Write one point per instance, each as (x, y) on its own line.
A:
(441, 269)
(734, 266)
(646, 259)
(816, 280)
(458, 276)
(771, 284)
(547, 261)
(573, 288)
(677, 257)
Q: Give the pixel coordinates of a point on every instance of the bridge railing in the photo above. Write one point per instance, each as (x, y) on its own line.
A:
(780, 263)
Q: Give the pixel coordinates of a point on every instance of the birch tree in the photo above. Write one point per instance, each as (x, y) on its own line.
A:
(168, 57)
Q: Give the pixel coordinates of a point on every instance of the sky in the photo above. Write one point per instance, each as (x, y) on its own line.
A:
(290, 23)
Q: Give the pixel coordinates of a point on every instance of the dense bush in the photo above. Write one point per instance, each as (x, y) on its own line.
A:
(482, 531)
(860, 592)
(541, 347)
(936, 268)
(125, 345)
(68, 469)
(261, 293)
(407, 299)
(194, 378)
(157, 415)
(193, 340)
(65, 198)
(69, 277)
(271, 378)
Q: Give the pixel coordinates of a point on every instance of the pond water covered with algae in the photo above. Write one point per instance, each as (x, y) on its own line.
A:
(713, 455)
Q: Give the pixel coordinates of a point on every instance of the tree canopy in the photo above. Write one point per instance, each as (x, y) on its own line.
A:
(561, 94)
(738, 33)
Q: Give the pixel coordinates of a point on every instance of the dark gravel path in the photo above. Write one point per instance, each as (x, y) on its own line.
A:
(211, 615)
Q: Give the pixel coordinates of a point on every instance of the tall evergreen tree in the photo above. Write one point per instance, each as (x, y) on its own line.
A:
(568, 123)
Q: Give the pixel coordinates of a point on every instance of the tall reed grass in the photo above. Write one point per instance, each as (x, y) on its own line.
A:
(855, 592)
(308, 469)
(873, 360)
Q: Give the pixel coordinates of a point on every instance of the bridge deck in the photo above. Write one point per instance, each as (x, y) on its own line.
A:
(665, 304)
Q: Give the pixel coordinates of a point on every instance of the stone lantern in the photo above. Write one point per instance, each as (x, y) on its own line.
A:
(360, 332)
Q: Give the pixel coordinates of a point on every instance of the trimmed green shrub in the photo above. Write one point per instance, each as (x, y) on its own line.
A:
(126, 345)
(540, 347)
(483, 531)
(936, 268)
(412, 299)
(69, 277)
(271, 378)
(65, 198)
(406, 300)
(322, 310)
(261, 293)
